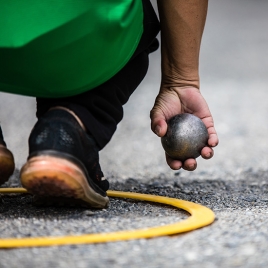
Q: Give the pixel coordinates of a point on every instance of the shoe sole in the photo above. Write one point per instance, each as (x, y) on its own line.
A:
(57, 180)
(7, 165)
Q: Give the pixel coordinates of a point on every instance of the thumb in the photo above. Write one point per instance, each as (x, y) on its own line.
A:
(158, 122)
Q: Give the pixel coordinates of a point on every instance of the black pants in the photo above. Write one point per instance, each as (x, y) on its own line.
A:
(101, 109)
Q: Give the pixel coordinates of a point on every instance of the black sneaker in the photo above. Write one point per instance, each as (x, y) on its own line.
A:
(7, 164)
(63, 163)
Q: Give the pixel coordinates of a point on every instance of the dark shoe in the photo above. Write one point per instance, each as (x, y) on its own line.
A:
(7, 164)
(63, 162)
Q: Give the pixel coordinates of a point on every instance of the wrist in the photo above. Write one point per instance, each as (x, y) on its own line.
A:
(180, 83)
(182, 76)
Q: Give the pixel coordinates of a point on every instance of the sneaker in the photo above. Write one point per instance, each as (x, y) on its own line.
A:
(7, 164)
(63, 163)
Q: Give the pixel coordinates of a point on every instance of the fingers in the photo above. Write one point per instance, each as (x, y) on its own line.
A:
(213, 137)
(213, 140)
(207, 152)
(173, 163)
(189, 164)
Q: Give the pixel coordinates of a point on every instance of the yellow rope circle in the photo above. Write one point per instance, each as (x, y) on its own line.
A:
(200, 216)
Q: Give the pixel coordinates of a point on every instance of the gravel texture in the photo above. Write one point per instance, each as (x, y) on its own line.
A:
(122, 214)
(238, 237)
(234, 184)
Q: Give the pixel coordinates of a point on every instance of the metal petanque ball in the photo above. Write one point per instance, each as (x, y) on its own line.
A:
(186, 136)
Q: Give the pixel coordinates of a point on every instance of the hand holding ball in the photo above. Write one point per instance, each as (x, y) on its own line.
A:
(186, 136)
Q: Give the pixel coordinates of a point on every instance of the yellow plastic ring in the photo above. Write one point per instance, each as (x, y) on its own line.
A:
(200, 216)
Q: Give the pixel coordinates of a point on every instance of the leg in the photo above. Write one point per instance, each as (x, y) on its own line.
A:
(101, 109)
(63, 160)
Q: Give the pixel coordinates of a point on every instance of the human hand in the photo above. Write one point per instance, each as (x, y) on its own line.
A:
(177, 100)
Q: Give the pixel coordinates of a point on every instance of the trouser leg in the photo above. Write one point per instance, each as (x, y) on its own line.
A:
(101, 109)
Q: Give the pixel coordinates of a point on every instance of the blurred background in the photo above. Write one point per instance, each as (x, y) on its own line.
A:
(234, 81)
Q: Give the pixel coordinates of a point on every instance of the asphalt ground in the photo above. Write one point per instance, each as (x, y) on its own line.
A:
(234, 184)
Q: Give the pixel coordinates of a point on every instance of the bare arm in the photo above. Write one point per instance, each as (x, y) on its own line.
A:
(182, 24)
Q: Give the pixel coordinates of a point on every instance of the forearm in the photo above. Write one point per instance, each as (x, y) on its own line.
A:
(182, 25)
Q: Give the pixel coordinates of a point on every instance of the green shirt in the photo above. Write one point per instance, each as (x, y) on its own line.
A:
(60, 48)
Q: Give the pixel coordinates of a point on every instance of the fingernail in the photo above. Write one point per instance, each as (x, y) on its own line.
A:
(191, 167)
(157, 130)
